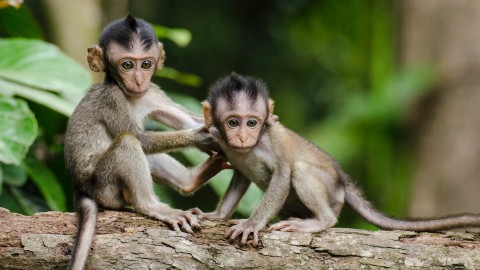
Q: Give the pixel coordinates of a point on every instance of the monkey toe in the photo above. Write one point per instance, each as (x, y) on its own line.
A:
(291, 225)
(187, 228)
(192, 220)
(300, 225)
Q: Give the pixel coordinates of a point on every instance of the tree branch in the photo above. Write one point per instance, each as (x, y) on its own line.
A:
(129, 241)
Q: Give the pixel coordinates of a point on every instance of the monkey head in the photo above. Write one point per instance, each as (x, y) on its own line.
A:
(240, 109)
(129, 53)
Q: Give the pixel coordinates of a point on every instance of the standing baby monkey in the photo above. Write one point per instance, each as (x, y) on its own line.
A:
(301, 182)
(110, 157)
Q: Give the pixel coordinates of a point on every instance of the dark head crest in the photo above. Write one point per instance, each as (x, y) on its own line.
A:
(125, 30)
(229, 87)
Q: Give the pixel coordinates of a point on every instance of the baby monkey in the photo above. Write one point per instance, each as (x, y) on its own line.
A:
(301, 182)
(110, 158)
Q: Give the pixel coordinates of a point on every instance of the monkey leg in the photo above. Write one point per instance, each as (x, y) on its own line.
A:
(123, 177)
(311, 184)
(166, 169)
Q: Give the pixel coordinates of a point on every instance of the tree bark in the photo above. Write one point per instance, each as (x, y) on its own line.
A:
(129, 241)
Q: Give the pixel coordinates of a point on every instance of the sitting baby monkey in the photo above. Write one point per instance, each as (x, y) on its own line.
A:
(301, 181)
(110, 158)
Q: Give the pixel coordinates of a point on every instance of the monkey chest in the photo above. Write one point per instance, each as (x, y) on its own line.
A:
(253, 168)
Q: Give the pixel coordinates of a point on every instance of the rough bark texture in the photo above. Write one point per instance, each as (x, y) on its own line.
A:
(129, 241)
(444, 35)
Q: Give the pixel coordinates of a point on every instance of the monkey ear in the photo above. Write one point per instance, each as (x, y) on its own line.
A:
(95, 58)
(207, 113)
(271, 118)
(161, 59)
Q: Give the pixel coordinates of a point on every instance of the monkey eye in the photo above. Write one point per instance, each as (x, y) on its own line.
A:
(233, 123)
(252, 123)
(146, 64)
(127, 65)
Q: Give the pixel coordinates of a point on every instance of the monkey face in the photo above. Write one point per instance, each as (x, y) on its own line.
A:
(242, 122)
(135, 67)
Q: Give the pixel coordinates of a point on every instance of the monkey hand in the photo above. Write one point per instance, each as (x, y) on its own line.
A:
(206, 142)
(207, 216)
(244, 227)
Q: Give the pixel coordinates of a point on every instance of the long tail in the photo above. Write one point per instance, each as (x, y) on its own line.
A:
(87, 211)
(365, 209)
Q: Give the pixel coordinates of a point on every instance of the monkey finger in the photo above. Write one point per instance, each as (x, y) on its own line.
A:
(227, 234)
(186, 228)
(193, 221)
(255, 238)
(245, 235)
(275, 227)
(195, 211)
(233, 233)
(175, 226)
(230, 232)
(289, 229)
(234, 221)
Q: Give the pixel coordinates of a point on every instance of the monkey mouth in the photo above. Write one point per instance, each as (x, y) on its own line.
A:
(136, 93)
(241, 149)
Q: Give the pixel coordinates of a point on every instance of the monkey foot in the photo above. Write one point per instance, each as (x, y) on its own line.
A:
(301, 225)
(179, 220)
(243, 228)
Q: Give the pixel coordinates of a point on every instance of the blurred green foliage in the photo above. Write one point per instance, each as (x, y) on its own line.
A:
(32, 70)
(330, 66)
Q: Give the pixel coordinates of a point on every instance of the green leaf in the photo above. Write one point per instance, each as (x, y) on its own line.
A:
(47, 183)
(22, 200)
(45, 98)
(179, 36)
(9, 200)
(18, 129)
(180, 77)
(1, 179)
(41, 65)
(14, 175)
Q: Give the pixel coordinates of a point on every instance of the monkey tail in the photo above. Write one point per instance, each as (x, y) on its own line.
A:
(87, 211)
(364, 208)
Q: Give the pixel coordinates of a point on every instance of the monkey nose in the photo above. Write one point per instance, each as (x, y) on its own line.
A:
(138, 79)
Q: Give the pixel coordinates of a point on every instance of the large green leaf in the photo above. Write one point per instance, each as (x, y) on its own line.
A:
(46, 98)
(48, 184)
(1, 179)
(14, 175)
(18, 129)
(40, 65)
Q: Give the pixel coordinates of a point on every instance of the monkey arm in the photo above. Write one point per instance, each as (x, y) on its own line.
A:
(177, 118)
(166, 169)
(174, 115)
(274, 197)
(270, 204)
(237, 188)
(156, 142)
